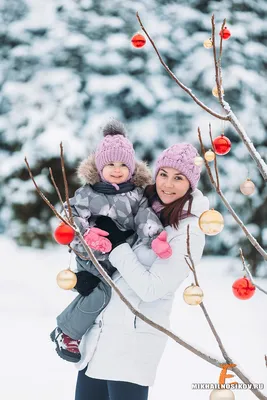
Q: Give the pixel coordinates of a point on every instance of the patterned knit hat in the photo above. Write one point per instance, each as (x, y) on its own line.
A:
(115, 147)
(181, 157)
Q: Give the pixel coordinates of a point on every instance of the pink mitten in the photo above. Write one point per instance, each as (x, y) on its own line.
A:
(95, 238)
(161, 247)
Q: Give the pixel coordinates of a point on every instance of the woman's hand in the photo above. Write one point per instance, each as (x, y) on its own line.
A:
(116, 236)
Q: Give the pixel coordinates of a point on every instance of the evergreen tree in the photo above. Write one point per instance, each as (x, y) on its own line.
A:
(67, 66)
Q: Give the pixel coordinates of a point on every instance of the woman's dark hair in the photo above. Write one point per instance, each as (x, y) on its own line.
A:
(171, 213)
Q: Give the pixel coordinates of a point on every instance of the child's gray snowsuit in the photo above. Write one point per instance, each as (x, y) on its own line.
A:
(130, 211)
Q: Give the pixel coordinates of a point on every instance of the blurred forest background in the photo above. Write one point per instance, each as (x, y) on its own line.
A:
(68, 65)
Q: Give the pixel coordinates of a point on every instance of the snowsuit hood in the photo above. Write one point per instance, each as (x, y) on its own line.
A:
(88, 174)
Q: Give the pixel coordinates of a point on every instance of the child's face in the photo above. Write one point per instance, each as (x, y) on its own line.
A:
(115, 172)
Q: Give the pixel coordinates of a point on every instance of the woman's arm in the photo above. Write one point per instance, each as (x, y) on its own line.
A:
(165, 275)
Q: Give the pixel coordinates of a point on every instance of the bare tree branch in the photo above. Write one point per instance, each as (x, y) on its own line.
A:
(172, 75)
(215, 159)
(227, 358)
(58, 192)
(44, 197)
(261, 165)
(230, 116)
(250, 237)
(65, 182)
(249, 273)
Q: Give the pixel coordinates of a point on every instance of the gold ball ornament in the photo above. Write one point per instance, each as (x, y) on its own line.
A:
(247, 187)
(209, 155)
(198, 161)
(193, 295)
(208, 44)
(222, 394)
(215, 91)
(211, 222)
(66, 279)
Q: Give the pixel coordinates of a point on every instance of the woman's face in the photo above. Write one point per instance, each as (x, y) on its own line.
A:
(171, 185)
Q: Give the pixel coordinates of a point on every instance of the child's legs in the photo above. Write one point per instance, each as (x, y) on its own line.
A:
(81, 313)
(90, 389)
(127, 390)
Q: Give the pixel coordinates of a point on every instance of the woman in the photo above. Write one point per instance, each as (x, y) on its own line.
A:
(121, 353)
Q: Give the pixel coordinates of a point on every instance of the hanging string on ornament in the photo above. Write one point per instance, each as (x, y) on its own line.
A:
(67, 279)
(243, 289)
(193, 295)
(209, 155)
(208, 43)
(225, 33)
(211, 222)
(198, 161)
(138, 40)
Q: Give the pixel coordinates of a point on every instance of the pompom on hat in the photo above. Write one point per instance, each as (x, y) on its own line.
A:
(181, 157)
(115, 147)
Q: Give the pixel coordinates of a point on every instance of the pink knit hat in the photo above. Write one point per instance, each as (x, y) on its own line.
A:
(115, 147)
(181, 157)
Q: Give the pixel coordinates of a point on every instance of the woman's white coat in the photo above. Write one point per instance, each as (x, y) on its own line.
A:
(120, 346)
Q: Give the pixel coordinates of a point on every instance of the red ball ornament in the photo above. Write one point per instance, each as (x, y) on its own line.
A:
(225, 33)
(138, 40)
(222, 145)
(64, 234)
(243, 289)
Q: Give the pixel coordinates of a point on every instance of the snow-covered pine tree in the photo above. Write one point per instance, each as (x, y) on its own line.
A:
(68, 66)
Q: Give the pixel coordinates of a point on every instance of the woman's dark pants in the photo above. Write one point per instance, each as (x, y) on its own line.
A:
(98, 389)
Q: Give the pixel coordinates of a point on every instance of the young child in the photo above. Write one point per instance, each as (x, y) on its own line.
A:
(113, 186)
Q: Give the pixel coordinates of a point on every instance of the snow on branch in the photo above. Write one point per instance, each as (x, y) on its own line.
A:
(230, 116)
(216, 186)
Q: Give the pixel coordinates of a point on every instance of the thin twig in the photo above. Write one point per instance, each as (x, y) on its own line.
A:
(173, 76)
(216, 63)
(44, 197)
(227, 358)
(220, 54)
(217, 337)
(250, 237)
(203, 151)
(78, 254)
(215, 159)
(65, 182)
(58, 192)
(249, 273)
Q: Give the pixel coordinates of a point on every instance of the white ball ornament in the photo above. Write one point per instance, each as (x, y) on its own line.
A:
(209, 155)
(211, 222)
(193, 295)
(198, 161)
(66, 279)
(222, 394)
(208, 44)
(247, 187)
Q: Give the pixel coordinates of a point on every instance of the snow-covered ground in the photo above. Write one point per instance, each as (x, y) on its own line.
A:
(30, 301)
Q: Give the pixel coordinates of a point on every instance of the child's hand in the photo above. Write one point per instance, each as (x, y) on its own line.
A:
(161, 247)
(95, 238)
